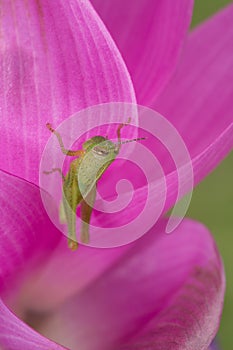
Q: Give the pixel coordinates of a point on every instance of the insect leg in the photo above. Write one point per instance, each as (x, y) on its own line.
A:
(62, 213)
(71, 199)
(70, 203)
(86, 211)
(119, 132)
(65, 151)
(53, 170)
(120, 127)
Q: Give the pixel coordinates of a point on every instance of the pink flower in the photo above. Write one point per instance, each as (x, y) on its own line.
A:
(57, 57)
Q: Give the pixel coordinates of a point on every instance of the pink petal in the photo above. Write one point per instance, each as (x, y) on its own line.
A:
(165, 293)
(26, 236)
(16, 335)
(206, 151)
(55, 59)
(149, 34)
(199, 106)
(64, 274)
(26, 233)
(34, 255)
(198, 100)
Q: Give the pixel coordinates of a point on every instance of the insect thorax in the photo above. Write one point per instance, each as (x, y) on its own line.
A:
(93, 165)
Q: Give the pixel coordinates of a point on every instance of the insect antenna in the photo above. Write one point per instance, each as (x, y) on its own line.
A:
(132, 140)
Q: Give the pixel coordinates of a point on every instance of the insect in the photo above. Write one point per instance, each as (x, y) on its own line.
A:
(79, 184)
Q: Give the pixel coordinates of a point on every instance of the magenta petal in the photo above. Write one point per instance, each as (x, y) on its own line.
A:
(16, 335)
(65, 273)
(26, 233)
(26, 236)
(34, 255)
(198, 100)
(149, 34)
(165, 293)
(55, 59)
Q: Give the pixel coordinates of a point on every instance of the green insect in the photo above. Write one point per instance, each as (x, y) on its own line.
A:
(79, 184)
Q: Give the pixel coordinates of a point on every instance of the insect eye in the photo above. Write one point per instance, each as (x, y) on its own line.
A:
(100, 151)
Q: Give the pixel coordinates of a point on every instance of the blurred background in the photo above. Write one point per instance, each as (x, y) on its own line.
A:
(212, 201)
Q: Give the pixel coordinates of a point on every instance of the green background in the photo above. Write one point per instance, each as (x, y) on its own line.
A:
(212, 202)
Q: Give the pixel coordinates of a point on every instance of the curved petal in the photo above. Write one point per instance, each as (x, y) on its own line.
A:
(149, 35)
(166, 292)
(55, 59)
(26, 233)
(16, 335)
(64, 274)
(198, 100)
(34, 254)
(200, 106)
